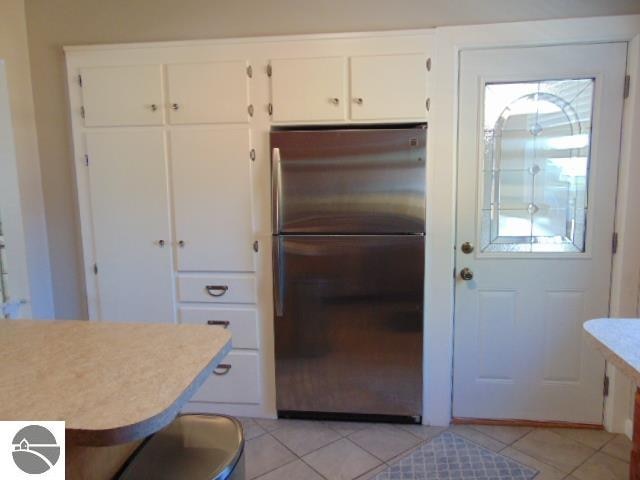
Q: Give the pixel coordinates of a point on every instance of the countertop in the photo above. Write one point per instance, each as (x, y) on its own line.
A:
(111, 382)
(618, 339)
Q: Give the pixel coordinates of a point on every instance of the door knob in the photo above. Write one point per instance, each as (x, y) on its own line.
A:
(466, 274)
(466, 247)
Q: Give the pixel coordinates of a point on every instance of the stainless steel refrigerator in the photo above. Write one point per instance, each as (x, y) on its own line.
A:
(348, 261)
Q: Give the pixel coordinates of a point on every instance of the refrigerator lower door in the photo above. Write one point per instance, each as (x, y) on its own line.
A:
(348, 333)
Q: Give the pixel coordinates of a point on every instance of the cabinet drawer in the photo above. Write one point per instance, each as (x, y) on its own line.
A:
(217, 288)
(238, 384)
(242, 322)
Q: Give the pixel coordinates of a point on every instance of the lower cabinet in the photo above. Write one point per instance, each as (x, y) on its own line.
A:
(236, 380)
(217, 288)
(242, 322)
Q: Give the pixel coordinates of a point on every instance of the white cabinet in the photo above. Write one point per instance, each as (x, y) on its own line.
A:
(130, 212)
(211, 179)
(242, 322)
(236, 380)
(381, 87)
(308, 89)
(217, 288)
(214, 92)
(388, 87)
(130, 95)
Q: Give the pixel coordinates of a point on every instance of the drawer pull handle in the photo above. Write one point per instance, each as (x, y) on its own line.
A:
(222, 369)
(216, 290)
(219, 323)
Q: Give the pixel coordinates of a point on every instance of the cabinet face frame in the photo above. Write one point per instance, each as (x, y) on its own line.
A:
(257, 52)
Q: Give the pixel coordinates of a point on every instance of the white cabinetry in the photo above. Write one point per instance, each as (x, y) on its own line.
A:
(130, 210)
(236, 380)
(211, 179)
(381, 87)
(388, 87)
(308, 89)
(118, 96)
(215, 92)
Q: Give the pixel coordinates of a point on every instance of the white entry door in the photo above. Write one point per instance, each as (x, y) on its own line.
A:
(539, 132)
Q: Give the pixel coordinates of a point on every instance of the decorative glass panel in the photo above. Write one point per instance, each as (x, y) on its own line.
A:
(537, 138)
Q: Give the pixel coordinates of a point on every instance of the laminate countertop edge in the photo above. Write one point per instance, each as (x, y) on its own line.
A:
(149, 426)
(609, 351)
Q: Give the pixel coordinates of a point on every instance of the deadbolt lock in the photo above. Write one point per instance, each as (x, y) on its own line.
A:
(466, 247)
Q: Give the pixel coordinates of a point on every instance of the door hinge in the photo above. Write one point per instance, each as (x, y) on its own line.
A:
(249, 72)
(86, 160)
(429, 64)
(252, 154)
(627, 86)
(454, 272)
(256, 246)
(95, 268)
(250, 110)
(80, 80)
(614, 243)
(427, 104)
(269, 70)
(82, 111)
(270, 109)
(605, 386)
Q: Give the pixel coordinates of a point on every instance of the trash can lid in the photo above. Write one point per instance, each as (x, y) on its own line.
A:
(198, 447)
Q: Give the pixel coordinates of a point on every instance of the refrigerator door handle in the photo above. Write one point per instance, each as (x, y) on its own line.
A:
(278, 277)
(275, 189)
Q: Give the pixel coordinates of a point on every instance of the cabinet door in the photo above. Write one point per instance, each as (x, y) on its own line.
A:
(388, 87)
(236, 380)
(130, 210)
(211, 178)
(129, 95)
(308, 89)
(208, 92)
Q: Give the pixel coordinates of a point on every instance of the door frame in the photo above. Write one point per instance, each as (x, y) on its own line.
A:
(12, 219)
(441, 196)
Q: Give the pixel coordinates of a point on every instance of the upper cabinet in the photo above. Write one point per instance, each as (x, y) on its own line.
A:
(308, 89)
(130, 95)
(381, 87)
(388, 87)
(214, 92)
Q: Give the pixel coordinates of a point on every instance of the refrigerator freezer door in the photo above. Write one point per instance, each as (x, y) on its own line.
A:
(348, 337)
(349, 180)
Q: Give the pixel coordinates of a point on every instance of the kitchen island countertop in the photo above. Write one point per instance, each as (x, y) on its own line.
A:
(110, 382)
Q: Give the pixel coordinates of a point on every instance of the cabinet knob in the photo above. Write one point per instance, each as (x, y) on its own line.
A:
(153, 107)
(175, 106)
(335, 101)
(181, 243)
(160, 243)
(358, 100)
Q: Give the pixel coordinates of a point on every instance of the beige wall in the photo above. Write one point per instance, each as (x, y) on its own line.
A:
(14, 50)
(54, 23)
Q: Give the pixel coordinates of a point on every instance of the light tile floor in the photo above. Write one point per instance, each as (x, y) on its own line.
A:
(313, 450)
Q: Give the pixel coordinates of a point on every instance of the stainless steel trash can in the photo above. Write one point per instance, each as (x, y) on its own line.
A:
(192, 447)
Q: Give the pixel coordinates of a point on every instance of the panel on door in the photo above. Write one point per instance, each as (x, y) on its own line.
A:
(241, 321)
(212, 195)
(216, 92)
(308, 89)
(539, 142)
(348, 323)
(235, 380)
(130, 211)
(388, 87)
(119, 96)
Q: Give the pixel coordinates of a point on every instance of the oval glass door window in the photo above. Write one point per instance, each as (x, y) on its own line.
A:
(537, 138)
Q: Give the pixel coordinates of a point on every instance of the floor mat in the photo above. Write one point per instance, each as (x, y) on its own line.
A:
(450, 457)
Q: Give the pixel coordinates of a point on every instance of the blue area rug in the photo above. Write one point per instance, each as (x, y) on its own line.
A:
(450, 457)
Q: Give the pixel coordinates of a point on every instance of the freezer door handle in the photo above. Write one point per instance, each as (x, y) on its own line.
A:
(275, 189)
(278, 277)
